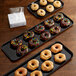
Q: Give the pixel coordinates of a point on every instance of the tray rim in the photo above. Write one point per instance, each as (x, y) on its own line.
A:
(41, 44)
(71, 53)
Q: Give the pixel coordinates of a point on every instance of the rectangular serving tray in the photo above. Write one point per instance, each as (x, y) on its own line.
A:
(65, 51)
(43, 7)
(11, 53)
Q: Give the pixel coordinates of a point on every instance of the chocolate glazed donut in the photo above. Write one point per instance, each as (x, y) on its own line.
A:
(49, 23)
(55, 30)
(39, 29)
(65, 22)
(45, 36)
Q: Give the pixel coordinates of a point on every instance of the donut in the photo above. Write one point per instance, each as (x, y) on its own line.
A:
(49, 23)
(55, 30)
(57, 4)
(33, 64)
(36, 73)
(45, 36)
(56, 48)
(34, 6)
(50, 1)
(39, 29)
(58, 17)
(16, 42)
(21, 72)
(65, 22)
(59, 58)
(47, 66)
(28, 35)
(43, 2)
(50, 8)
(34, 42)
(21, 50)
(41, 12)
(46, 54)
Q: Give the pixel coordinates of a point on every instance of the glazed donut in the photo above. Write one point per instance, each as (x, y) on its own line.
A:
(49, 23)
(56, 48)
(50, 8)
(36, 73)
(65, 22)
(47, 66)
(28, 35)
(55, 30)
(33, 64)
(21, 50)
(34, 6)
(60, 58)
(34, 42)
(58, 17)
(45, 36)
(57, 4)
(43, 2)
(41, 12)
(16, 42)
(21, 72)
(39, 29)
(46, 54)
(50, 1)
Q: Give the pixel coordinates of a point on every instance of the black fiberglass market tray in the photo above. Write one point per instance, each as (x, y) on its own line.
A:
(43, 7)
(11, 53)
(65, 51)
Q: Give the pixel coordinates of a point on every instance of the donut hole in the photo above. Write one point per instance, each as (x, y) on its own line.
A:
(60, 56)
(46, 34)
(56, 47)
(36, 74)
(56, 28)
(41, 11)
(29, 33)
(20, 72)
(50, 6)
(33, 64)
(57, 2)
(45, 53)
(34, 5)
(59, 15)
(22, 49)
(65, 20)
(47, 65)
(34, 41)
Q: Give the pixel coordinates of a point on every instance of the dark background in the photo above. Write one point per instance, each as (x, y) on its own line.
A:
(68, 37)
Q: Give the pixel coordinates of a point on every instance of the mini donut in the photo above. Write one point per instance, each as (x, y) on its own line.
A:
(45, 36)
(43, 2)
(16, 42)
(46, 54)
(55, 30)
(50, 8)
(60, 58)
(34, 6)
(56, 48)
(28, 35)
(49, 23)
(34, 42)
(65, 22)
(21, 72)
(58, 17)
(21, 50)
(33, 64)
(39, 29)
(41, 12)
(47, 66)
(57, 4)
(36, 73)
(50, 1)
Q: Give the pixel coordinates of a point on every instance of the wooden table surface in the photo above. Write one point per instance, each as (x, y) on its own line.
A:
(68, 37)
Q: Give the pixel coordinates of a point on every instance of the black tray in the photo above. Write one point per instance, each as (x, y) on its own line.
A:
(43, 7)
(11, 54)
(65, 51)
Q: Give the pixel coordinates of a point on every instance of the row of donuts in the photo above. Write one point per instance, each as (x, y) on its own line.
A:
(49, 7)
(47, 65)
(44, 35)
